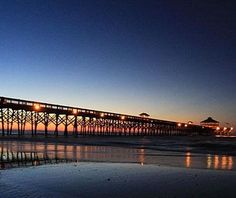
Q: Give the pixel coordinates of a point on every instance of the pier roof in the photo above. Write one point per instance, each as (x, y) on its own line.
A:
(209, 120)
(144, 114)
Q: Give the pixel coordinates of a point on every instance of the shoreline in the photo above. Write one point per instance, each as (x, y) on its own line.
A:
(114, 167)
(193, 144)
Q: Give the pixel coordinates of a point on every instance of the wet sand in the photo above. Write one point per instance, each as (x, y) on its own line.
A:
(86, 179)
(117, 167)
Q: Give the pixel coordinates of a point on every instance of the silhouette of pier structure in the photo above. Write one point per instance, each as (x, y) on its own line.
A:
(34, 117)
(18, 154)
(10, 159)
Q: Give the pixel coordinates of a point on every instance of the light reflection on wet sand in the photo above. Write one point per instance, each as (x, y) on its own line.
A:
(217, 162)
(38, 153)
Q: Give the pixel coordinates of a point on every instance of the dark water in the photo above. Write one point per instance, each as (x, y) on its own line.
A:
(17, 154)
(39, 169)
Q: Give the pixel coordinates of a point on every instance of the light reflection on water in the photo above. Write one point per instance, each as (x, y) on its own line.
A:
(17, 154)
(217, 162)
(188, 160)
(220, 162)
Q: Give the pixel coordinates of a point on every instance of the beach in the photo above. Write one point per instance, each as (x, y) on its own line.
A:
(88, 179)
(117, 167)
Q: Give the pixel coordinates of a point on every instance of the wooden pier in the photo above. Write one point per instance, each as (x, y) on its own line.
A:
(23, 116)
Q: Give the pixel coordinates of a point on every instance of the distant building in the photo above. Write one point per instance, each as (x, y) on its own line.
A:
(190, 122)
(211, 123)
(144, 115)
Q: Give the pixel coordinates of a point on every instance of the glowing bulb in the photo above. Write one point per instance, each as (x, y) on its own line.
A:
(231, 129)
(217, 128)
(225, 128)
(75, 111)
(122, 117)
(36, 106)
(102, 114)
(179, 124)
(185, 125)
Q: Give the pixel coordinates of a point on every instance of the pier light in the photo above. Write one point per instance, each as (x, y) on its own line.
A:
(185, 125)
(225, 128)
(75, 111)
(231, 128)
(102, 115)
(122, 117)
(36, 106)
(217, 128)
(179, 124)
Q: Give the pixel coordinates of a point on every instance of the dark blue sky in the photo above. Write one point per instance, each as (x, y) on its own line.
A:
(172, 59)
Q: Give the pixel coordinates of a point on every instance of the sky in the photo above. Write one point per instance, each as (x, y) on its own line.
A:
(174, 60)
